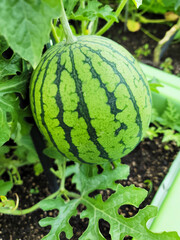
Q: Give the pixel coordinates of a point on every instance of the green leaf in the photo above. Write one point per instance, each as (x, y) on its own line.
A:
(10, 66)
(16, 84)
(52, 153)
(61, 222)
(4, 150)
(177, 5)
(137, 2)
(38, 169)
(87, 178)
(170, 135)
(69, 6)
(5, 130)
(154, 86)
(93, 10)
(151, 133)
(160, 6)
(11, 115)
(177, 36)
(3, 44)
(26, 25)
(171, 116)
(5, 187)
(26, 152)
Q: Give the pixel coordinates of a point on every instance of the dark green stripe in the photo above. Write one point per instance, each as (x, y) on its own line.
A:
(104, 42)
(42, 109)
(123, 126)
(83, 111)
(48, 61)
(110, 95)
(122, 80)
(73, 149)
(49, 54)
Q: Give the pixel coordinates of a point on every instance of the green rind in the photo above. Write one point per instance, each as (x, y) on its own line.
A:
(90, 99)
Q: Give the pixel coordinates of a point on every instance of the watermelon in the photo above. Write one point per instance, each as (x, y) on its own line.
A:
(90, 99)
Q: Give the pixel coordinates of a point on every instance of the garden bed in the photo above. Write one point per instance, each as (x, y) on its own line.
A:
(135, 40)
(149, 161)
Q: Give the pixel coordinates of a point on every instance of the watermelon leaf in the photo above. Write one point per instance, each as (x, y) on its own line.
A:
(3, 44)
(5, 187)
(87, 179)
(16, 84)
(96, 208)
(23, 22)
(61, 222)
(120, 226)
(10, 111)
(177, 5)
(5, 130)
(69, 5)
(93, 10)
(9, 66)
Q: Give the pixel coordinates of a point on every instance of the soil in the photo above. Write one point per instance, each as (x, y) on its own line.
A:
(134, 40)
(149, 161)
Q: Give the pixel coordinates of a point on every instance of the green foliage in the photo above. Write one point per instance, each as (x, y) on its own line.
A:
(161, 6)
(168, 134)
(168, 125)
(6, 203)
(5, 187)
(167, 65)
(14, 78)
(38, 169)
(171, 135)
(34, 190)
(93, 10)
(170, 117)
(23, 22)
(177, 36)
(87, 180)
(142, 51)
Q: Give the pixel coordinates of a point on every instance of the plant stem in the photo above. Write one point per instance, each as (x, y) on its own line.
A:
(63, 168)
(110, 23)
(36, 206)
(168, 35)
(70, 38)
(72, 194)
(146, 20)
(27, 210)
(150, 35)
(53, 30)
(83, 22)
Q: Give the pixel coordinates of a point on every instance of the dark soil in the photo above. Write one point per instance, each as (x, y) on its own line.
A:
(134, 40)
(149, 161)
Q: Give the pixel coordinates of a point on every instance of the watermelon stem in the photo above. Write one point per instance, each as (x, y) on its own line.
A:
(63, 169)
(110, 23)
(70, 38)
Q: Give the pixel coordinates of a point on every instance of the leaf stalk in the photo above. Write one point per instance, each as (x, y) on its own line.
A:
(70, 38)
(110, 23)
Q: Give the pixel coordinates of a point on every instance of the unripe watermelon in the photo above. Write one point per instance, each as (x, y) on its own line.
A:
(90, 99)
